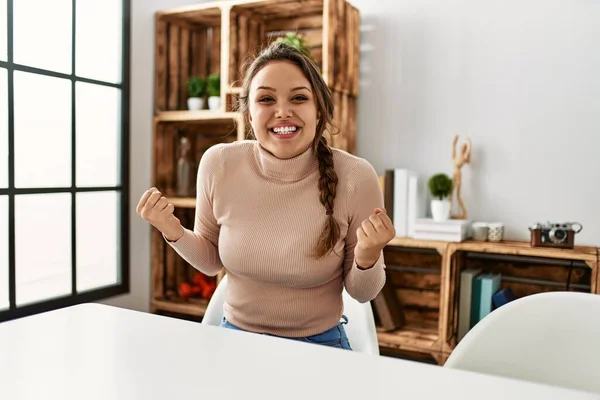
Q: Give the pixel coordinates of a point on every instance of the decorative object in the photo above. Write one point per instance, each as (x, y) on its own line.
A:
(295, 40)
(185, 170)
(196, 88)
(496, 232)
(480, 231)
(440, 187)
(554, 234)
(460, 159)
(214, 91)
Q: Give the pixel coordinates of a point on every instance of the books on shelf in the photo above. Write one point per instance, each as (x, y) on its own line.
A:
(479, 295)
(452, 230)
(484, 288)
(405, 197)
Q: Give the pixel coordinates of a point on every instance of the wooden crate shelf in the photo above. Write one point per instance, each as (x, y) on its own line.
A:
(183, 202)
(199, 115)
(221, 36)
(187, 43)
(524, 269)
(433, 331)
(415, 336)
(194, 307)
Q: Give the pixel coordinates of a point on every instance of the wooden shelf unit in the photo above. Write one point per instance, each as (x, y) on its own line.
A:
(221, 36)
(218, 37)
(525, 269)
(417, 269)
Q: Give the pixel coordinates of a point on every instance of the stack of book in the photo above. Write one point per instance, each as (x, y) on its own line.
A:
(405, 196)
(452, 230)
(480, 294)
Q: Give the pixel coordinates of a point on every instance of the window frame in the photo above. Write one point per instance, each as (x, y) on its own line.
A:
(123, 189)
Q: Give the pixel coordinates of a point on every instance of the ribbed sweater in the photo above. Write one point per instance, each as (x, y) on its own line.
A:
(260, 218)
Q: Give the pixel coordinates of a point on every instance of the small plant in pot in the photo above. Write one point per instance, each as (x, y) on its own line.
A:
(295, 40)
(440, 187)
(196, 89)
(214, 91)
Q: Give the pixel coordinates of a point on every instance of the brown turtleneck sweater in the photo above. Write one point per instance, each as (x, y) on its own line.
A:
(260, 217)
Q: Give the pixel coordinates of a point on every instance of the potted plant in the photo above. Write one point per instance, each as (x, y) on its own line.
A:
(440, 187)
(196, 89)
(295, 40)
(214, 91)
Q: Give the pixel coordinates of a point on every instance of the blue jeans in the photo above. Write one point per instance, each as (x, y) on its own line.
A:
(334, 337)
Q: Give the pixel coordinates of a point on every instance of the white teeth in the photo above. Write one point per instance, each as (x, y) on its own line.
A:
(285, 129)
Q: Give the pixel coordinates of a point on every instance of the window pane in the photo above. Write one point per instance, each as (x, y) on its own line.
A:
(50, 47)
(97, 138)
(98, 56)
(3, 30)
(3, 128)
(42, 131)
(97, 240)
(4, 253)
(43, 246)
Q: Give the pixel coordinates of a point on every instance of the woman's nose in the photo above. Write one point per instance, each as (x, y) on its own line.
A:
(284, 111)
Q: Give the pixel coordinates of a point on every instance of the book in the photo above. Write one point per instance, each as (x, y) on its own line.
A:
(502, 296)
(484, 288)
(464, 300)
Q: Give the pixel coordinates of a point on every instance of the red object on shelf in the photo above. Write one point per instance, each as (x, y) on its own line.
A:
(185, 290)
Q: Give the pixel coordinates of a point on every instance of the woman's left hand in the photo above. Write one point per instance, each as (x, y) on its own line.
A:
(374, 233)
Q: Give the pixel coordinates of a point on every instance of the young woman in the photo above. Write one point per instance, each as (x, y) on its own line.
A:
(292, 220)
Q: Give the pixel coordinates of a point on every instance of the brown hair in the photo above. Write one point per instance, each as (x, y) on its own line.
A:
(324, 102)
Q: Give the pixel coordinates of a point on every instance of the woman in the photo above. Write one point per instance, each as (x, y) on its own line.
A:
(292, 220)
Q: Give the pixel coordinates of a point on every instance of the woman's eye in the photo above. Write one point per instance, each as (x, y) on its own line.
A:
(265, 99)
(300, 98)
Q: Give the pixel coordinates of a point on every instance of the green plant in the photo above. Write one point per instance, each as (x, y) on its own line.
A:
(196, 86)
(295, 40)
(214, 85)
(440, 186)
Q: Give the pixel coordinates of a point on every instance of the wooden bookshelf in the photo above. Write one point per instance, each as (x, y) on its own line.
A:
(183, 202)
(525, 269)
(194, 307)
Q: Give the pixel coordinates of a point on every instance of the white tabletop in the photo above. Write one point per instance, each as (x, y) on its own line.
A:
(99, 352)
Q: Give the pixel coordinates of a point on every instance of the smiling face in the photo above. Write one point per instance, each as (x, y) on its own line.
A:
(282, 109)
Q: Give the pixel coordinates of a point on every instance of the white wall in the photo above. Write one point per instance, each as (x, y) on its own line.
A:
(520, 77)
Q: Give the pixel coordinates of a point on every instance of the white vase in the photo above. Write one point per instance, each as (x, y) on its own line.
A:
(214, 102)
(195, 103)
(440, 209)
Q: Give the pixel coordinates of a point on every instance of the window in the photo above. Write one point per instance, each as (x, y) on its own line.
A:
(64, 162)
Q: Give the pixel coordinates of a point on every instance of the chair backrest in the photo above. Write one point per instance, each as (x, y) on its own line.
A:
(360, 328)
(551, 338)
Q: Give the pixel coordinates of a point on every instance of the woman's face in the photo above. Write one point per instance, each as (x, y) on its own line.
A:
(282, 109)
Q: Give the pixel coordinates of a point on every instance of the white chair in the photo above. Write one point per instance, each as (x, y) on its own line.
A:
(360, 328)
(551, 338)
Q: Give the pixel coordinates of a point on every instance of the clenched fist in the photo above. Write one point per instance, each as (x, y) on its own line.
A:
(156, 209)
(374, 233)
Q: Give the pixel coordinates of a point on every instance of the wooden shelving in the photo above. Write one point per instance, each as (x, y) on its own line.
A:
(183, 202)
(429, 300)
(195, 307)
(198, 115)
(415, 336)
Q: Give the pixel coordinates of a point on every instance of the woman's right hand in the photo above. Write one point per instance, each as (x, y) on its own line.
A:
(156, 209)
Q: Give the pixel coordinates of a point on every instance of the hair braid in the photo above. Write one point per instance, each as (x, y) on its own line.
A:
(327, 191)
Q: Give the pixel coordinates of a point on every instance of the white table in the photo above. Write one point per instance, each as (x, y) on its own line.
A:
(93, 351)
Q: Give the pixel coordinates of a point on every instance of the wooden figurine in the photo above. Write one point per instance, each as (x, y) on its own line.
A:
(460, 159)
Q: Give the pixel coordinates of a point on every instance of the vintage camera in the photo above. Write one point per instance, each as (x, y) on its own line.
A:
(554, 234)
